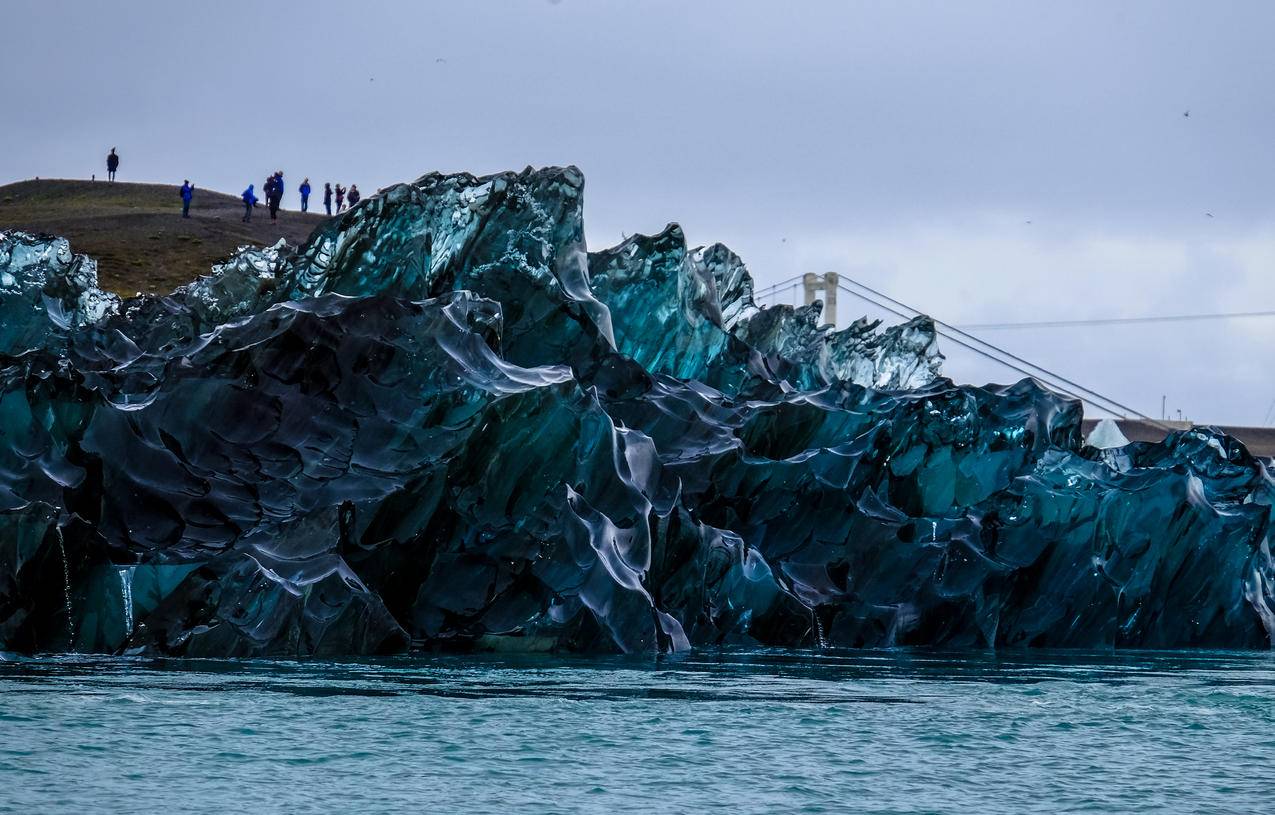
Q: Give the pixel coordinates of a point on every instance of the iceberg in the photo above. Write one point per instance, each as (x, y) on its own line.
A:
(442, 423)
(1105, 435)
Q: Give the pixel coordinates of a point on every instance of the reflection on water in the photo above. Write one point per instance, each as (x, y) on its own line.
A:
(730, 731)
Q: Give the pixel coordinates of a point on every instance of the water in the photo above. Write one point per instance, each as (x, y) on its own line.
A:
(725, 731)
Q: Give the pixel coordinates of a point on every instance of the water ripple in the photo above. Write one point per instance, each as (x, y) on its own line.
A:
(726, 731)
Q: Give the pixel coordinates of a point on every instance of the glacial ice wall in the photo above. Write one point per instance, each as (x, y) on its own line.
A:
(443, 424)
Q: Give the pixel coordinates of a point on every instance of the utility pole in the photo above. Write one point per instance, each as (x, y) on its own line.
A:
(827, 286)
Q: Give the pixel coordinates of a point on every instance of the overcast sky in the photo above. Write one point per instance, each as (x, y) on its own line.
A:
(904, 144)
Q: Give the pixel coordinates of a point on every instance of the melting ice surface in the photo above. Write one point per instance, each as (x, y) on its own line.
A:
(443, 424)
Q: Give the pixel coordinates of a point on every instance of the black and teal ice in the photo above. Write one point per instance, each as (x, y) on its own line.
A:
(443, 424)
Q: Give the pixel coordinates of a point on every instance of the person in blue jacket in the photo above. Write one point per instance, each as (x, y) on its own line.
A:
(188, 192)
(305, 195)
(249, 201)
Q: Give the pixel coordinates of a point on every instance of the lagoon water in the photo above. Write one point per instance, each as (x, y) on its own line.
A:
(718, 731)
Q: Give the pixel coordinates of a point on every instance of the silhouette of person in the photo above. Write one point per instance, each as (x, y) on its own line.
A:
(274, 196)
(112, 164)
(327, 196)
(305, 195)
(354, 195)
(340, 197)
(188, 192)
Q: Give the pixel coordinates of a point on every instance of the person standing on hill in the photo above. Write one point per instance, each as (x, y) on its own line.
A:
(249, 201)
(340, 197)
(275, 196)
(354, 195)
(305, 195)
(188, 192)
(112, 164)
(327, 196)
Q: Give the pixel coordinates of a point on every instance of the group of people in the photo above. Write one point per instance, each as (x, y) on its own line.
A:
(274, 195)
(342, 195)
(272, 189)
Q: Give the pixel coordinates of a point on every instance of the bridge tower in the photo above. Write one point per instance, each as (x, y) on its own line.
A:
(825, 284)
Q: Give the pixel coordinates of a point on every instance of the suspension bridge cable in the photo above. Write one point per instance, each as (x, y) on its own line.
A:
(1097, 399)
(1123, 409)
(1166, 318)
(771, 289)
(984, 353)
(1094, 398)
(781, 285)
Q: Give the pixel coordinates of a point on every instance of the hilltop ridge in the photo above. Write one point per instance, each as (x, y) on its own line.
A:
(136, 232)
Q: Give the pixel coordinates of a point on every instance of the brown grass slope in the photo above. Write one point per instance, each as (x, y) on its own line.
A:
(136, 232)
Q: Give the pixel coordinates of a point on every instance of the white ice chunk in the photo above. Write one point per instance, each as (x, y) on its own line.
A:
(1106, 435)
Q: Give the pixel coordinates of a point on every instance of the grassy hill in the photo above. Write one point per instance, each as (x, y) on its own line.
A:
(136, 232)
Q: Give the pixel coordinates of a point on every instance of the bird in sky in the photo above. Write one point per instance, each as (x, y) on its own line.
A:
(1186, 114)
(1209, 214)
